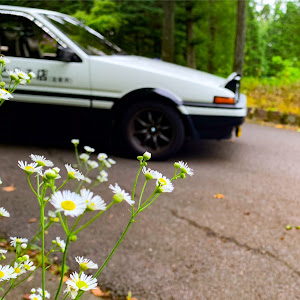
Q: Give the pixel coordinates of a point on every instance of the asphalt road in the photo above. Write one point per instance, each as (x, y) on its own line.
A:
(190, 245)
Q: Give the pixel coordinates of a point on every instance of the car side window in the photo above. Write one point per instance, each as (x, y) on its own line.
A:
(21, 37)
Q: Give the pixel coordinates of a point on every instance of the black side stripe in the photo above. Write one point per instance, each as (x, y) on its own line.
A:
(54, 94)
(212, 105)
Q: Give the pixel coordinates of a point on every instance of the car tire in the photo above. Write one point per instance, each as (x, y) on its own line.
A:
(154, 127)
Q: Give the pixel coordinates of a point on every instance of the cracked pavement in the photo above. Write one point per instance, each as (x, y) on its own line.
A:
(190, 245)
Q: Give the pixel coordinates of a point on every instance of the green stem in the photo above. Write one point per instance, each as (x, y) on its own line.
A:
(63, 184)
(11, 286)
(65, 297)
(153, 194)
(142, 193)
(63, 224)
(135, 183)
(63, 268)
(145, 206)
(93, 219)
(76, 222)
(43, 248)
(33, 189)
(111, 253)
(77, 157)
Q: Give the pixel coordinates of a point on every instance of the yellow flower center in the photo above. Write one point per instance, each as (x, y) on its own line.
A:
(162, 181)
(71, 173)
(29, 168)
(68, 205)
(5, 90)
(35, 298)
(1, 274)
(81, 284)
(17, 270)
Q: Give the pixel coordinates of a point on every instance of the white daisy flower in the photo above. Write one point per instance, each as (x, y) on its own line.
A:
(21, 74)
(17, 240)
(71, 291)
(92, 164)
(185, 168)
(68, 202)
(33, 290)
(13, 75)
(107, 164)
(89, 149)
(87, 180)
(84, 157)
(5, 95)
(28, 265)
(19, 269)
(75, 141)
(111, 161)
(85, 263)
(6, 272)
(29, 168)
(103, 176)
(151, 174)
(31, 75)
(61, 243)
(102, 156)
(164, 185)
(41, 160)
(93, 203)
(73, 173)
(2, 251)
(35, 297)
(4, 212)
(40, 291)
(120, 194)
(83, 283)
(49, 174)
(4, 60)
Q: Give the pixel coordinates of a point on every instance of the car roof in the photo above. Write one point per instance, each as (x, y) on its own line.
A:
(30, 10)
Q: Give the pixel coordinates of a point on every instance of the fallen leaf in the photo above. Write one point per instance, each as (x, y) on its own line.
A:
(247, 213)
(26, 297)
(32, 220)
(223, 240)
(282, 238)
(9, 188)
(219, 196)
(97, 292)
(65, 278)
(279, 126)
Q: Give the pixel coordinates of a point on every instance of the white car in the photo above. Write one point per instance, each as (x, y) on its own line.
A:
(149, 104)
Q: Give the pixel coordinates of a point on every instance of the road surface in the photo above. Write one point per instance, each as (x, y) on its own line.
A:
(189, 244)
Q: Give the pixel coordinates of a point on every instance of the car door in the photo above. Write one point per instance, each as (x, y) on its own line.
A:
(31, 46)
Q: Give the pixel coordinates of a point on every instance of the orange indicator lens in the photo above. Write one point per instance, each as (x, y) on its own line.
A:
(224, 100)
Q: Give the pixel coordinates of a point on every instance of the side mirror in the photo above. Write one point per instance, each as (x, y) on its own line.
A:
(67, 55)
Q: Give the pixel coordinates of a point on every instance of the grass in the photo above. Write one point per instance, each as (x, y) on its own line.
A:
(273, 94)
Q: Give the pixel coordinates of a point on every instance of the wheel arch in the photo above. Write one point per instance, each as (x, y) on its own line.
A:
(153, 94)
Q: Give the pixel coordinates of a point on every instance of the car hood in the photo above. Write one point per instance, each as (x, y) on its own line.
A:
(163, 68)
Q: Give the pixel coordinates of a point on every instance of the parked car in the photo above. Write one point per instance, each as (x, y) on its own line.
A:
(149, 104)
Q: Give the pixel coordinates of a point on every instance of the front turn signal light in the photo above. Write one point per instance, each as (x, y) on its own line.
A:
(224, 100)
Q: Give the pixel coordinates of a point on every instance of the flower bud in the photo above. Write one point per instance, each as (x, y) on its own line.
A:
(3, 257)
(176, 165)
(288, 227)
(31, 75)
(20, 259)
(14, 77)
(140, 158)
(182, 175)
(24, 246)
(118, 198)
(2, 84)
(73, 238)
(147, 155)
(75, 142)
(53, 242)
(148, 176)
(28, 81)
(32, 291)
(50, 174)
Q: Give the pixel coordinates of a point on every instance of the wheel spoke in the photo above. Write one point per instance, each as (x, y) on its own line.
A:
(141, 122)
(154, 138)
(142, 131)
(163, 137)
(150, 118)
(165, 127)
(147, 138)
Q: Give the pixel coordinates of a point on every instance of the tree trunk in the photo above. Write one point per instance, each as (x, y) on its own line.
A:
(168, 31)
(240, 37)
(212, 31)
(190, 48)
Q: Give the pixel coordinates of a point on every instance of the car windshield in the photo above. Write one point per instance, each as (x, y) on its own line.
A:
(89, 40)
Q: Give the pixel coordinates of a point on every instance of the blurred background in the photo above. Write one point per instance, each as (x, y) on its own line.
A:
(202, 35)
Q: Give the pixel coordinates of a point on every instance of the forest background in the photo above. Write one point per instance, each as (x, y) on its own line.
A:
(204, 38)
